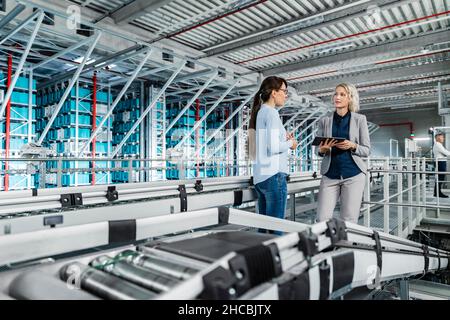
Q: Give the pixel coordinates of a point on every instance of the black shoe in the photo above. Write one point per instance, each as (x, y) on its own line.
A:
(443, 196)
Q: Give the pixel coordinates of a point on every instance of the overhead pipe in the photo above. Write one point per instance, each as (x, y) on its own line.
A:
(344, 37)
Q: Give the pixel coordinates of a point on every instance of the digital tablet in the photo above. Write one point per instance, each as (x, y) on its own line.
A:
(318, 140)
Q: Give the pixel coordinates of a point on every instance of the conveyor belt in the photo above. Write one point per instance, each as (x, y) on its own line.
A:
(321, 261)
(33, 210)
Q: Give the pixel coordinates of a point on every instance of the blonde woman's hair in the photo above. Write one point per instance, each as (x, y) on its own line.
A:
(352, 92)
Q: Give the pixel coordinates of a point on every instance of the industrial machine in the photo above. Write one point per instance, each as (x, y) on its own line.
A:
(212, 253)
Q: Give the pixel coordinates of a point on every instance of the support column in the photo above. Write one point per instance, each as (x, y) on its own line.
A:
(197, 118)
(404, 289)
(94, 123)
(227, 145)
(8, 121)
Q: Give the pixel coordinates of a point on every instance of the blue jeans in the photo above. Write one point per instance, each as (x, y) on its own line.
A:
(272, 196)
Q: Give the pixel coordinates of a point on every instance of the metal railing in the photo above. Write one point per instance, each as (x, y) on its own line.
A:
(395, 186)
(404, 184)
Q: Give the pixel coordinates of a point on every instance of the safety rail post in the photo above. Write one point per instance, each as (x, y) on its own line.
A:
(424, 189)
(418, 192)
(130, 171)
(59, 173)
(400, 199)
(386, 196)
(436, 181)
(367, 197)
(410, 196)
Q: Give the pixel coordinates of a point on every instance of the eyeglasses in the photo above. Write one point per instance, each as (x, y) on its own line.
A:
(284, 90)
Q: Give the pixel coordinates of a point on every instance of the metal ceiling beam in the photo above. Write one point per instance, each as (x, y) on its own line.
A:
(213, 75)
(137, 9)
(308, 140)
(368, 52)
(116, 101)
(402, 103)
(231, 135)
(294, 117)
(295, 26)
(11, 15)
(153, 72)
(94, 40)
(129, 52)
(40, 18)
(319, 111)
(375, 77)
(231, 116)
(211, 109)
(19, 27)
(396, 91)
(197, 74)
(62, 53)
(148, 109)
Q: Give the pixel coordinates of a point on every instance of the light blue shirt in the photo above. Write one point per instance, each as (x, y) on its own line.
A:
(271, 145)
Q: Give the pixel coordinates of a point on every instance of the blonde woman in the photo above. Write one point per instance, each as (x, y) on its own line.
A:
(343, 169)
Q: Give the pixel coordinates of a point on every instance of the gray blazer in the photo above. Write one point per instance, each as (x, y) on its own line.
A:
(359, 134)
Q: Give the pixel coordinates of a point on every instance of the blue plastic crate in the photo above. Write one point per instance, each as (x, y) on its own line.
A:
(19, 181)
(22, 98)
(102, 97)
(117, 138)
(99, 119)
(131, 149)
(120, 176)
(135, 102)
(23, 83)
(82, 92)
(16, 143)
(60, 147)
(101, 147)
(39, 112)
(102, 178)
(101, 164)
(71, 164)
(70, 119)
(39, 125)
(173, 112)
(16, 128)
(71, 106)
(20, 113)
(52, 134)
(70, 133)
(134, 137)
(135, 114)
(68, 179)
(186, 121)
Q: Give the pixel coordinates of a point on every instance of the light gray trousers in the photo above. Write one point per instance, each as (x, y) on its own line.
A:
(350, 191)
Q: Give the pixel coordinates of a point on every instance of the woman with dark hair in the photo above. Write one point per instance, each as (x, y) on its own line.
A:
(270, 167)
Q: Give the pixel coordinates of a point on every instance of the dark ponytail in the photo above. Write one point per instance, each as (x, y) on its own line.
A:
(265, 90)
